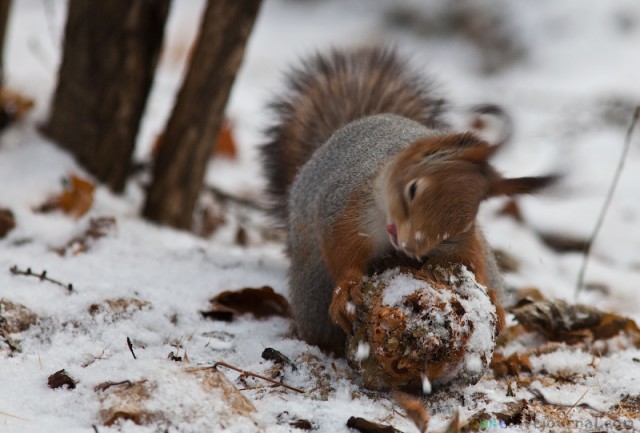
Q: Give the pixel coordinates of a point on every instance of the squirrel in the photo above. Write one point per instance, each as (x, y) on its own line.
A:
(360, 165)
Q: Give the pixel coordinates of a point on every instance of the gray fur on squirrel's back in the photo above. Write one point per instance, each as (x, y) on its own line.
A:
(348, 161)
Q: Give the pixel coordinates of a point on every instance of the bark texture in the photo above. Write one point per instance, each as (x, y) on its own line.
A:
(110, 53)
(196, 118)
(5, 6)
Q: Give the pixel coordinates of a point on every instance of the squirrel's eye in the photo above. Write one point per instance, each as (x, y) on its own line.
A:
(411, 192)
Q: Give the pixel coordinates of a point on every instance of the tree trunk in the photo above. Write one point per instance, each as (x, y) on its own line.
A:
(196, 118)
(110, 52)
(5, 6)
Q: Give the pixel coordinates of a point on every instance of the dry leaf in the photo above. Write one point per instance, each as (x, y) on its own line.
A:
(59, 379)
(15, 317)
(13, 106)
(76, 199)
(557, 320)
(511, 366)
(262, 302)
(415, 409)
(7, 222)
(364, 426)
(119, 308)
(98, 228)
(214, 380)
(125, 401)
(225, 145)
(513, 414)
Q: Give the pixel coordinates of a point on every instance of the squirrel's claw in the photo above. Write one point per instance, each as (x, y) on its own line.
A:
(343, 305)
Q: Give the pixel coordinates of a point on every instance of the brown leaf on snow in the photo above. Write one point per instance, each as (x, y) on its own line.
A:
(13, 106)
(262, 302)
(557, 320)
(15, 317)
(7, 222)
(59, 379)
(97, 228)
(213, 380)
(126, 401)
(514, 413)
(511, 366)
(119, 307)
(226, 145)
(76, 198)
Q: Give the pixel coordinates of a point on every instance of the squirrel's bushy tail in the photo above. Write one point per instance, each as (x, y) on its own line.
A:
(330, 90)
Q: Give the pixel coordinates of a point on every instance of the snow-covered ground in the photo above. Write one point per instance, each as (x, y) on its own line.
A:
(571, 97)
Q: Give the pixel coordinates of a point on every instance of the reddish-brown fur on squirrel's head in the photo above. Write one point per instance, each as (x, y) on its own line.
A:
(434, 187)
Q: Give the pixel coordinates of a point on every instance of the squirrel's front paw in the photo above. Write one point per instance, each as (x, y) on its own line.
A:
(346, 296)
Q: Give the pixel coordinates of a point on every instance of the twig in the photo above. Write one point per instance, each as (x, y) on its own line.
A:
(8, 415)
(130, 345)
(537, 393)
(605, 207)
(223, 196)
(248, 373)
(106, 385)
(42, 276)
(576, 403)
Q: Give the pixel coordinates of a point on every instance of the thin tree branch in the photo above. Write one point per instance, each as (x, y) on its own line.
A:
(41, 276)
(605, 207)
(248, 373)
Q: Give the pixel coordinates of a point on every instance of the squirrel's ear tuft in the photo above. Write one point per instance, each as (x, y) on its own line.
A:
(521, 185)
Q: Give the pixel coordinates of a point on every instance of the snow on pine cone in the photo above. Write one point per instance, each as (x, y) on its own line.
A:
(420, 329)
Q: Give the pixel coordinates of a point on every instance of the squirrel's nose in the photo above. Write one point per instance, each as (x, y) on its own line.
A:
(392, 230)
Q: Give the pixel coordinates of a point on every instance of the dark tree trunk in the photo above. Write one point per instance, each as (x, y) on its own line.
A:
(110, 52)
(5, 5)
(194, 123)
